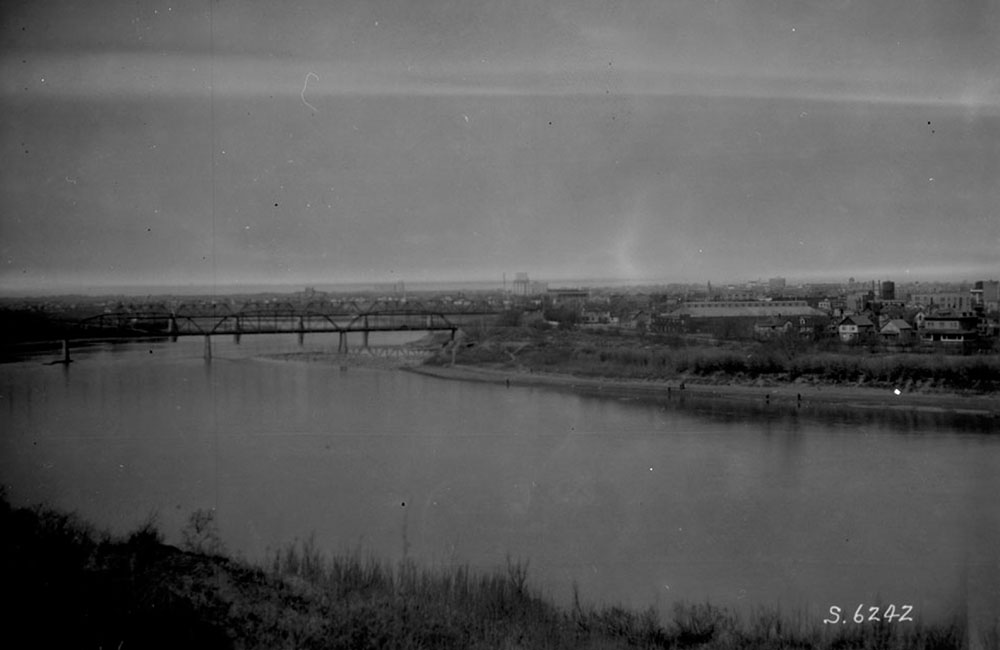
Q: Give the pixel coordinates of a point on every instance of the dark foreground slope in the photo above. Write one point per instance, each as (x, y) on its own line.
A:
(69, 585)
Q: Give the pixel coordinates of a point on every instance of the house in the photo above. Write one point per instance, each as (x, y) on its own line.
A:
(948, 329)
(593, 317)
(897, 331)
(833, 306)
(637, 320)
(855, 328)
(772, 327)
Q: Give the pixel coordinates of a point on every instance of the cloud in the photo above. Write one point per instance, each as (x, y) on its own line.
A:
(110, 75)
(557, 138)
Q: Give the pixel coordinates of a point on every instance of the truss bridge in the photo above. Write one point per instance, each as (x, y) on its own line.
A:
(208, 319)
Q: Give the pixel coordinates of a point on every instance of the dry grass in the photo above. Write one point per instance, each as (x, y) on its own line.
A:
(76, 587)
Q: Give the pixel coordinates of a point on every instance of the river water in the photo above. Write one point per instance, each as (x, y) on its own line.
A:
(637, 503)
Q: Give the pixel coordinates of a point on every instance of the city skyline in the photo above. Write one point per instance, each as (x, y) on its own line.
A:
(220, 144)
(829, 287)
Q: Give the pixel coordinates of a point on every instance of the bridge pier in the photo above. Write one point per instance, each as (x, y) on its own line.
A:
(365, 339)
(236, 337)
(208, 348)
(342, 342)
(302, 331)
(172, 329)
(65, 351)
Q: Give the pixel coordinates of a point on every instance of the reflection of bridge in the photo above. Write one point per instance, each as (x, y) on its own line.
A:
(213, 319)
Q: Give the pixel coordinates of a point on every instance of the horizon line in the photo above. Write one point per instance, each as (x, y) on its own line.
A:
(415, 286)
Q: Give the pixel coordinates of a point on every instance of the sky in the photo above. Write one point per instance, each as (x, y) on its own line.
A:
(218, 143)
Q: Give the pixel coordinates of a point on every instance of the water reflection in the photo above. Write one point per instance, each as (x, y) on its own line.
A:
(845, 416)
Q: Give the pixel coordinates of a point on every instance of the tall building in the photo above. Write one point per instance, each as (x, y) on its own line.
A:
(986, 295)
(521, 283)
(887, 290)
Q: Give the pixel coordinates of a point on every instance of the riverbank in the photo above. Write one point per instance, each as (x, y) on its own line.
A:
(759, 393)
(386, 358)
(74, 585)
(794, 395)
(768, 373)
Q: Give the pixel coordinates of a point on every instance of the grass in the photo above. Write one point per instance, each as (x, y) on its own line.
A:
(76, 586)
(776, 361)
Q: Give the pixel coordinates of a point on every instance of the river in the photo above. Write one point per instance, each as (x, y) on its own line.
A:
(637, 503)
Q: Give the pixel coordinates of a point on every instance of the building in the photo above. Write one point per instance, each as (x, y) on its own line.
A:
(859, 301)
(986, 296)
(832, 306)
(776, 285)
(887, 290)
(855, 328)
(948, 329)
(803, 327)
(897, 332)
(772, 328)
(563, 296)
(736, 319)
(822, 289)
(636, 320)
(597, 318)
(951, 302)
(733, 295)
(744, 309)
(521, 284)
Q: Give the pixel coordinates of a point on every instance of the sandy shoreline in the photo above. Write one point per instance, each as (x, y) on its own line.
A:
(789, 394)
(786, 395)
(384, 361)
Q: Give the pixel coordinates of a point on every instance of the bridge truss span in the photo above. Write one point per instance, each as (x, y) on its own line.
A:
(208, 320)
(259, 321)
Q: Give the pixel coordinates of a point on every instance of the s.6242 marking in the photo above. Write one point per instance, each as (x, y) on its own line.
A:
(870, 614)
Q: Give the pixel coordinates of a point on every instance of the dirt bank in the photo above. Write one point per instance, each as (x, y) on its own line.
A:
(384, 359)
